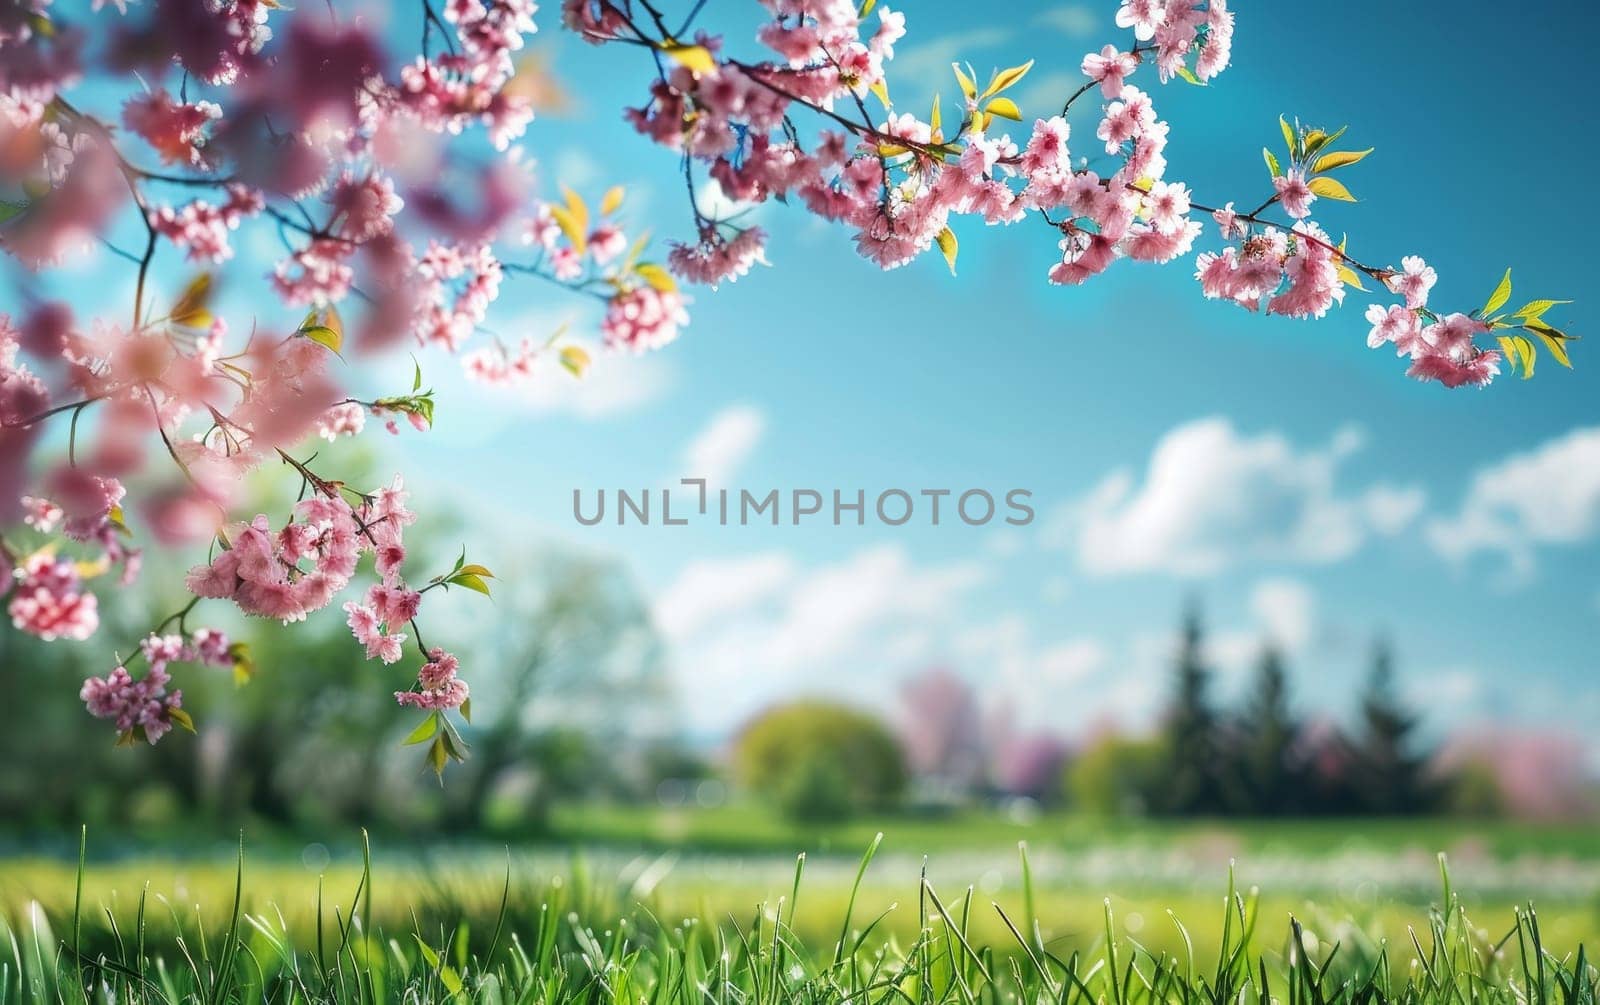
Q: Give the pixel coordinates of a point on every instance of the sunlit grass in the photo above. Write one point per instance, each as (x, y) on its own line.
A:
(656, 928)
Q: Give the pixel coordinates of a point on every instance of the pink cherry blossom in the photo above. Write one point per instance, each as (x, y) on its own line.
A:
(1109, 68)
(142, 705)
(1414, 282)
(49, 601)
(1294, 192)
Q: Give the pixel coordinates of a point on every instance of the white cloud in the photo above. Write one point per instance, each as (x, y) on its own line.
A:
(1547, 496)
(1212, 497)
(710, 589)
(718, 450)
(1286, 609)
(751, 629)
(1072, 19)
(926, 65)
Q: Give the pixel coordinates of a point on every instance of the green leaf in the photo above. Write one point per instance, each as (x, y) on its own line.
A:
(1188, 75)
(1272, 163)
(1339, 159)
(424, 731)
(471, 581)
(182, 718)
(10, 209)
(1498, 298)
(437, 756)
(451, 980)
(324, 336)
(1290, 140)
(1554, 344)
(1534, 309)
(1316, 139)
(1330, 188)
(1508, 347)
(475, 570)
(416, 375)
(427, 951)
(466, 710)
(948, 246)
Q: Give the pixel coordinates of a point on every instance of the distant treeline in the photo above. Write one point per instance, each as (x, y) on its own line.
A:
(1259, 759)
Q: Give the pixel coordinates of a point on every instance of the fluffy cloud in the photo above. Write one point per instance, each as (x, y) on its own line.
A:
(1547, 496)
(1212, 497)
(751, 629)
(1072, 19)
(719, 449)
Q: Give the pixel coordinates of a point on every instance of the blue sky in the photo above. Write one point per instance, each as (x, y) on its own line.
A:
(1292, 479)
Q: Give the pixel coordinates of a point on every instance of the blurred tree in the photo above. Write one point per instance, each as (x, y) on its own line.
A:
(1389, 770)
(1271, 767)
(1118, 776)
(941, 731)
(580, 661)
(820, 761)
(1194, 781)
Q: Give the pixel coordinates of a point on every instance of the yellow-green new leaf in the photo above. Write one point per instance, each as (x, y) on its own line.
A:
(1508, 348)
(182, 718)
(1330, 188)
(612, 200)
(1189, 77)
(880, 90)
(1350, 277)
(1525, 354)
(1007, 78)
(1272, 162)
(656, 276)
(324, 336)
(1005, 108)
(1534, 309)
(696, 57)
(1499, 298)
(1557, 349)
(1290, 139)
(968, 87)
(1339, 159)
(423, 733)
(571, 227)
(190, 310)
(575, 359)
(948, 246)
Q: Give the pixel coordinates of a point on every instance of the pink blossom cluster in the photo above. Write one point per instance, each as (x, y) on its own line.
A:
(1441, 348)
(438, 687)
(49, 601)
(290, 572)
(175, 130)
(201, 229)
(716, 258)
(642, 318)
(142, 706)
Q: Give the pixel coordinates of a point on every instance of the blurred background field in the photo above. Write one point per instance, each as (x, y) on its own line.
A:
(587, 783)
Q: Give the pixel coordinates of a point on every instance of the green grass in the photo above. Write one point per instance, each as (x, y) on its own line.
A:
(429, 933)
(749, 827)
